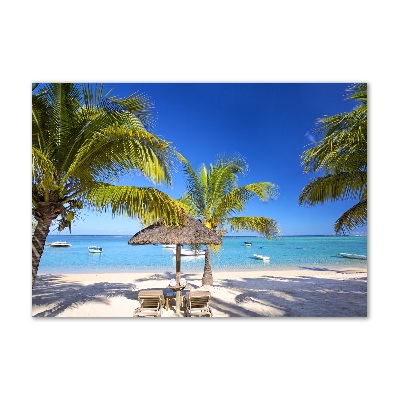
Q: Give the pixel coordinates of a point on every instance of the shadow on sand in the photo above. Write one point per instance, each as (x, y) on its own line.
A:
(51, 293)
(301, 296)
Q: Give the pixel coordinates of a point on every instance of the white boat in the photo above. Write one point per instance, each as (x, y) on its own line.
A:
(95, 249)
(260, 257)
(60, 244)
(169, 246)
(247, 243)
(194, 253)
(357, 256)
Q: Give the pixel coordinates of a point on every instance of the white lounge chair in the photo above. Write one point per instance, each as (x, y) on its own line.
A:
(198, 303)
(151, 303)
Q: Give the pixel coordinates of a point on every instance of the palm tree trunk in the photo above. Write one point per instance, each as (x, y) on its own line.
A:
(44, 214)
(207, 275)
(38, 242)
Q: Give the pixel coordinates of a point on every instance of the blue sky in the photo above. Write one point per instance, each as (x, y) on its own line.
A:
(269, 124)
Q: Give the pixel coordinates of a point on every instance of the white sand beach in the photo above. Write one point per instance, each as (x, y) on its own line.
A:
(302, 292)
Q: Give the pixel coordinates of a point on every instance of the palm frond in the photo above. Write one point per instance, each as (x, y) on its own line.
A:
(343, 149)
(147, 204)
(265, 226)
(340, 186)
(66, 115)
(44, 176)
(141, 107)
(222, 179)
(342, 155)
(118, 149)
(358, 91)
(194, 187)
(236, 163)
(354, 217)
(188, 206)
(344, 139)
(236, 200)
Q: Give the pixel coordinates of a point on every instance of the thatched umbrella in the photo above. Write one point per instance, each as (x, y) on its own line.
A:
(192, 233)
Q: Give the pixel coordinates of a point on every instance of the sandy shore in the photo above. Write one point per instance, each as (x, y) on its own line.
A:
(322, 292)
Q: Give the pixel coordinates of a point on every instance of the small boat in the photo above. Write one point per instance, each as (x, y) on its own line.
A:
(194, 253)
(60, 244)
(95, 249)
(169, 246)
(260, 257)
(247, 243)
(357, 256)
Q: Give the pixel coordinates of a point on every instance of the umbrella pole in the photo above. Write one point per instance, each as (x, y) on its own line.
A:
(178, 277)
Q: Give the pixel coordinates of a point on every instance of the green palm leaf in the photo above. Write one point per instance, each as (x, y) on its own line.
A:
(195, 189)
(341, 155)
(354, 217)
(341, 186)
(44, 176)
(236, 200)
(265, 226)
(118, 149)
(223, 179)
(147, 204)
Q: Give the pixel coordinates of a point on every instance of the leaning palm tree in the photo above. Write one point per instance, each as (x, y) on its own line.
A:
(341, 155)
(214, 196)
(82, 141)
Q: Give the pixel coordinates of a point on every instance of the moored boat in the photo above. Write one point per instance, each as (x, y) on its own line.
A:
(60, 244)
(356, 256)
(194, 253)
(95, 249)
(260, 257)
(247, 243)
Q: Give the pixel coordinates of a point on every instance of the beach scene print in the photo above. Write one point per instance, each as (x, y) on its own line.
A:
(214, 200)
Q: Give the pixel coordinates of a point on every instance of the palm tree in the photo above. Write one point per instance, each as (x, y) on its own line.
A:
(342, 156)
(82, 141)
(213, 196)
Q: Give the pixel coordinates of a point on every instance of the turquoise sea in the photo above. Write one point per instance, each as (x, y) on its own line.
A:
(286, 252)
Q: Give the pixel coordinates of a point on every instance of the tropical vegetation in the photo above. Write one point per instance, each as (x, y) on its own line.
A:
(83, 140)
(341, 156)
(213, 196)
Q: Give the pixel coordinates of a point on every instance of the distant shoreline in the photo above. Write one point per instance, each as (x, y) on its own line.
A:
(360, 265)
(227, 236)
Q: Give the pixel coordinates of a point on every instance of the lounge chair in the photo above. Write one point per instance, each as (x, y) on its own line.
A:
(198, 303)
(151, 303)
